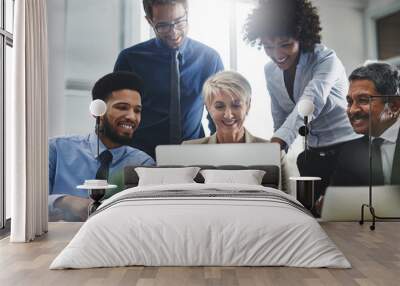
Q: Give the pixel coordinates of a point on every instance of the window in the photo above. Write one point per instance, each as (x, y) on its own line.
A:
(6, 43)
(387, 36)
(227, 38)
(382, 21)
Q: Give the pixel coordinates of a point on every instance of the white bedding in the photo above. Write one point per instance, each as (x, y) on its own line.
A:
(182, 231)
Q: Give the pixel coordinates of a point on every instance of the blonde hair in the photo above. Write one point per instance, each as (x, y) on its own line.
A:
(230, 82)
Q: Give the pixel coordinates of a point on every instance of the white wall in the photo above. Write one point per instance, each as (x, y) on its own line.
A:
(85, 37)
(93, 38)
(374, 4)
(342, 24)
(56, 38)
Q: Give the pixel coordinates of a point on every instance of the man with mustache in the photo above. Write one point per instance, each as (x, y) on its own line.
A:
(174, 68)
(73, 159)
(377, 79)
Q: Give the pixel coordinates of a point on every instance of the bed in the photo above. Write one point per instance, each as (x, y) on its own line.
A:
(201, 224)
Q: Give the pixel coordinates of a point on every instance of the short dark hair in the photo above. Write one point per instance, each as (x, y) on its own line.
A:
(114, 81)
(385, 77)
(148, 5)
(297, 19)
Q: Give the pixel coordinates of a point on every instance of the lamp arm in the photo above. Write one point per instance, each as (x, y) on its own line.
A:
(98, 135)
(305, 137)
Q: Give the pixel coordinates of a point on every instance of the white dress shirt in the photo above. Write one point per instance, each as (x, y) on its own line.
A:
(388, 148)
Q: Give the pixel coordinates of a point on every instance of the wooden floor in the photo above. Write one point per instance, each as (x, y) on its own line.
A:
(374, 255)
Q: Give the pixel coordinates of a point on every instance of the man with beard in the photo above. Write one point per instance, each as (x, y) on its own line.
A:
(73, 159)
(173, 68)
(377, 79)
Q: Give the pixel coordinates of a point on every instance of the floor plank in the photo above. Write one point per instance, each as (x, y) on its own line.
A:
(374, 255)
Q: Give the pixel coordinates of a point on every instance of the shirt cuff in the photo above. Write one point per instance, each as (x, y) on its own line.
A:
(286, 135)
(52, 201)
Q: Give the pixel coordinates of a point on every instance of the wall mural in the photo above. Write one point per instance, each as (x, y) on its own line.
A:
(145, 78)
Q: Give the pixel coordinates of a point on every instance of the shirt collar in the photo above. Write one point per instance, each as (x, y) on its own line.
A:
(392, 132)
(117, 153)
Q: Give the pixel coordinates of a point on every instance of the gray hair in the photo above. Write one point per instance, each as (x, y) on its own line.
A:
(230, 82)
(385, 77)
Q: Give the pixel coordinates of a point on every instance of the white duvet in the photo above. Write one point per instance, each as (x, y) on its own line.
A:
(183, 231)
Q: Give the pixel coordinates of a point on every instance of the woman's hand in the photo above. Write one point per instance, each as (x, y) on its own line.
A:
(280, 141)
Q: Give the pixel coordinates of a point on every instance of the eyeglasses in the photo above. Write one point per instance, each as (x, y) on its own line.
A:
(166, 27)
(364, 100)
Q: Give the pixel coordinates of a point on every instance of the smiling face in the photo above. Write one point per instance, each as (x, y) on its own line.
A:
(358, 108)
(122, 118)
(228, 112)
(163, 17)
(283, 51)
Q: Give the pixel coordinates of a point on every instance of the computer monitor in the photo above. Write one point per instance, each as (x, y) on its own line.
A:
(219, 154)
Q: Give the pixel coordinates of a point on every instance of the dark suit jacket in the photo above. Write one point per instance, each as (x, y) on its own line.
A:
(353, 164)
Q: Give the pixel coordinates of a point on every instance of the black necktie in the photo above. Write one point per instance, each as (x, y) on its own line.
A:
(175, 129)
(105, 159)
(377, 170)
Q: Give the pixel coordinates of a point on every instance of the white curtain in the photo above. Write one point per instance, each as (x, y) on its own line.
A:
(26, 130)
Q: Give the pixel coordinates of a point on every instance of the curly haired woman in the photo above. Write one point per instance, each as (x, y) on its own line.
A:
(301, 67)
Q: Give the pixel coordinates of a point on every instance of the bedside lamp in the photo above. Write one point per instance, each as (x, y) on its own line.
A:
(305, 108)
(98, 108)
(96, 188)
(305, 186)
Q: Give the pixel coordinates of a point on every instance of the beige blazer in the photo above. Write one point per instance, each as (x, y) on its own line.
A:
(249, 138)
(213, 139)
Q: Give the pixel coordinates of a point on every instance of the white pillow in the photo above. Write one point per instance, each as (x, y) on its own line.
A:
(248, 177)
(166, 176)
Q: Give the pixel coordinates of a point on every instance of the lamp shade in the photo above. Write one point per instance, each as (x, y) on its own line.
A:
(98, 107)
(305, 107)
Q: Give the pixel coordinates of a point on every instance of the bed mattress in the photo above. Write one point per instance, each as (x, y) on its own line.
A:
(201, 225)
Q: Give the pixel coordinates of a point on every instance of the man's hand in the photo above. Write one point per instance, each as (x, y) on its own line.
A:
(280, 141)
(73, 206)
(318, 206)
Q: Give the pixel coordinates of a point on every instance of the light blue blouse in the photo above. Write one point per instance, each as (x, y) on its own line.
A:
(321, 77)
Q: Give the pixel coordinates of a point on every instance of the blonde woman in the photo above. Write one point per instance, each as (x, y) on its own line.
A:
(227, 96)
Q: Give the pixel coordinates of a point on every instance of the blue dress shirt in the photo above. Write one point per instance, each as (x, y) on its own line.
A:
(321, 77)
(73, 159)
(151, 60)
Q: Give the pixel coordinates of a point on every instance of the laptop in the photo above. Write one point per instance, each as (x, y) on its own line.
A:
(344, 203)
(219, 154)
